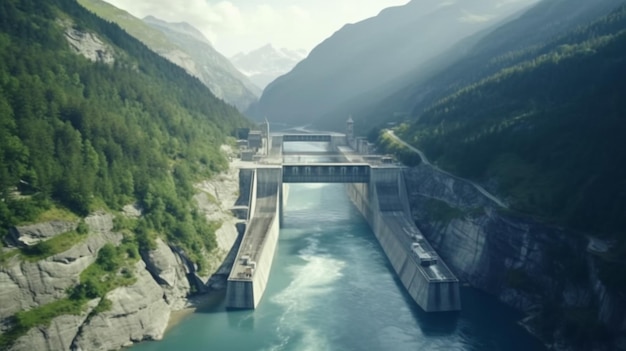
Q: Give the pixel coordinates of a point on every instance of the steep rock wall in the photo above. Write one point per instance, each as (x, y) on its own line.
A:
(138, 312)
(26, 285)
(141, 311)
(527, 264)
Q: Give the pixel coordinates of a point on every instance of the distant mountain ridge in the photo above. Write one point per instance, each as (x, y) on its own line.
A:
(183, 28)
(184, 45)
(211, 67)
(371, 53)
(267, 63)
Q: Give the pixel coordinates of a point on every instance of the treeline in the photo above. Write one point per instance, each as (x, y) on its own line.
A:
(85, 135)
(548, 128)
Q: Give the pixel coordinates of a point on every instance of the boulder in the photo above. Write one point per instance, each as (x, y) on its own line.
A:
(29, 235)
(26, 285)
(138, 312)
(169, 270)
(58, 335)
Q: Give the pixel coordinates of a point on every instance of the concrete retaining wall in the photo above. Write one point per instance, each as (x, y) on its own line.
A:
(259, 242)
(430, 295)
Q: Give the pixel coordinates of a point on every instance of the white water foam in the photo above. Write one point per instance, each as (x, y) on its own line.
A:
(309, 283)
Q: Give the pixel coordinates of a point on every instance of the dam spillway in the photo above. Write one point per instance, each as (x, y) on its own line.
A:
(379, 194)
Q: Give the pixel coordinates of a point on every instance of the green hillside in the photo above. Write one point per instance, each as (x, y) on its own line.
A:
(84, 135)
(190, 51)
(134, 26)
(548, 128)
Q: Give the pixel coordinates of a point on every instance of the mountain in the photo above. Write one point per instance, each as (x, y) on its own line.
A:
(213, 69)
(536, 123)
(474, 58)
(184, 45)
(371, 53)
(92, 122)
(267, 63)
(539, 121)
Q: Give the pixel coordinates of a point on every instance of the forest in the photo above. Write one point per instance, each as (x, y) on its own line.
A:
(546, 131)
(79, 136)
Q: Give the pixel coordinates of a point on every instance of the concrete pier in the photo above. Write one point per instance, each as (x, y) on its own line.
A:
(250, 273)
(425, 276)
(378, 192)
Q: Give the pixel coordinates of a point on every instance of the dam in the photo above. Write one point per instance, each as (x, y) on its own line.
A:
(378, 192)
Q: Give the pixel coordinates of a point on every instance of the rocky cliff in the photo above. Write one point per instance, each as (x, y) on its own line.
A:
(546, 271)
(163, 280)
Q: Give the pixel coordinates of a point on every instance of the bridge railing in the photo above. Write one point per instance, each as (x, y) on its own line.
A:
(326, 173)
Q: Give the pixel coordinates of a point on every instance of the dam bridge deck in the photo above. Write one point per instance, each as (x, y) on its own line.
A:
(382, 196)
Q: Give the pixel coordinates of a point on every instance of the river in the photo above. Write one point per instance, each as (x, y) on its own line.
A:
(331, 288)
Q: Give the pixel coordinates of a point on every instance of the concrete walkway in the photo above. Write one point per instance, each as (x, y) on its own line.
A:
(427, 163)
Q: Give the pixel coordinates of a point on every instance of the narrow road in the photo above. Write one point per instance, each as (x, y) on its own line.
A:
(426, 162)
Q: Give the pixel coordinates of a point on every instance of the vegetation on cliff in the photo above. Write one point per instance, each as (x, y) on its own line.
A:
(82, 135)
(543, 126)
(548, 128)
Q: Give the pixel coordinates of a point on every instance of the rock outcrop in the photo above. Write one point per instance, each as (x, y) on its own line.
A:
(29, 235)
(164, 279)
(58, 335)
(89, 45)
(523, 262)
(215, 199)
(170, 272)
(138, 312)
(26, 285)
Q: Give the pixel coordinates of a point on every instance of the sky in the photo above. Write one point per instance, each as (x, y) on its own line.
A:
(244, 25)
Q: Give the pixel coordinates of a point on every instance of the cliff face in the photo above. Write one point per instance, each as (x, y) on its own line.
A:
(26, 285)
(164, 278)
(545, 271)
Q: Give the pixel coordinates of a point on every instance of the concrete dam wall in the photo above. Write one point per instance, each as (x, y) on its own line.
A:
(384, 204)
(425, 276)
(248, 278)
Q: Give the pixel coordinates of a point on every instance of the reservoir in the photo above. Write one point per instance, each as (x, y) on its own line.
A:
(332, 288)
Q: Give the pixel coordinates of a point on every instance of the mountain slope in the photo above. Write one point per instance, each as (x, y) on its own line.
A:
(266, 63)
(92, 120)
(547, 128)
(204, 62)
(481, 55)
(543, 127)
(370, 53)
(187, 47)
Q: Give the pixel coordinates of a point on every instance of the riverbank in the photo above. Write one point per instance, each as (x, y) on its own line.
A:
(215, 198)
(197, 303)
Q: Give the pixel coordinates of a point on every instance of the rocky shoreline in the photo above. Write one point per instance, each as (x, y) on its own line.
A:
(519, 260)
(166, 290)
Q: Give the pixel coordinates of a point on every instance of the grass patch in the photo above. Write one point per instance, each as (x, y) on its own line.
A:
(23, 321)
(56, 245)
(54, 213)
(113, 268)
(6, 255)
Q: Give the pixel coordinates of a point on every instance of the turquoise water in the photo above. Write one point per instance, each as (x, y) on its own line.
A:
(331, 288)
